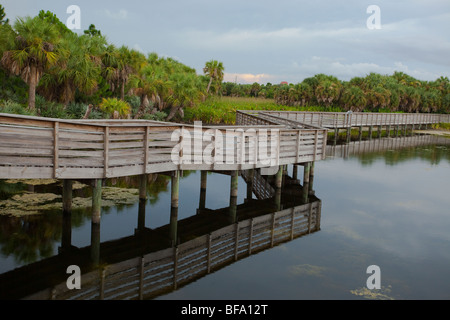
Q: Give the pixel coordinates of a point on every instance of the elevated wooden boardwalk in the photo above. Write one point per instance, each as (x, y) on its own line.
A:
(42, 148)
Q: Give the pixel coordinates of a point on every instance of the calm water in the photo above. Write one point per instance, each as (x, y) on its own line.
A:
(389, 208)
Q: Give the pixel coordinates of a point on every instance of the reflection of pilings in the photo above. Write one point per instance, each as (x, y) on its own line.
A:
(173, 225)
(368, 146)
(234, 195)
(66, 238)
(251, 176)
(95, 243)
(96, 217)
(142, 201)
(150, 275)
(175, 190)
(67, 195)
(203, 185)
(141, 214)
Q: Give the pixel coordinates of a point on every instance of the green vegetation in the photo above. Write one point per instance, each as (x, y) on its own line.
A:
(374, 93)
(222, 110)
(115, 107)
(441, 126)
(48, 70)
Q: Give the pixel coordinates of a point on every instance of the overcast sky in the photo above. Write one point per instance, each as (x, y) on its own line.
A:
(273, 41)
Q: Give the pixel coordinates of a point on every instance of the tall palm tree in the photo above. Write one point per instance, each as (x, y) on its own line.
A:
(118, 65)
(328, 91)
(150, 82)
(33, 53)
(215, 71)
(353, 98)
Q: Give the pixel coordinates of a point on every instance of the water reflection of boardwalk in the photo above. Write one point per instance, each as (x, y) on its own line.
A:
(383, 144)
(146, 265)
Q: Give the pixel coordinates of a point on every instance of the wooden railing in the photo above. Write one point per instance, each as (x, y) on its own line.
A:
(42, 148)
(163, 271)
(344, 120)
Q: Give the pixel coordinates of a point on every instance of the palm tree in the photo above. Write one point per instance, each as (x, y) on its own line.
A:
(150, 82)
(78, 69)
(186, 90)
(2, 16)
(353, 98)
(215, 71)
(118, 65)
(33, 53)
(328, 91)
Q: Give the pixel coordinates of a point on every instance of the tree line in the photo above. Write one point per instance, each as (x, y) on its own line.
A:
(43, 63)
(398, 92)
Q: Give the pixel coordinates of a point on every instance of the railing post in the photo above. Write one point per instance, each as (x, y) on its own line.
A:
(146, 148)
(55, 149)
(106, 152)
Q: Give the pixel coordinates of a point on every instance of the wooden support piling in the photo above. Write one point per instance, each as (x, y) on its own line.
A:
(295, 172)
(143, 187)
(96, 201)
(279, 177)
(175, 189)
(311, 179)
(306, 177)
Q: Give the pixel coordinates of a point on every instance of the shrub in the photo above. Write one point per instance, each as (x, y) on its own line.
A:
(13, 107)
(157, 116)
(112, 105)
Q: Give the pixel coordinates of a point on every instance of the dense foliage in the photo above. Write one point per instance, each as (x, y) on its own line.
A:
(389, 93)
(48, 70)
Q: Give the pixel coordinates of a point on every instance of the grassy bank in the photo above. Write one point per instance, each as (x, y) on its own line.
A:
(441, 126)
(222, 110)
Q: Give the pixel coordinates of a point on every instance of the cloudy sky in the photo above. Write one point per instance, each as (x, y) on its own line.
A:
(273, 41)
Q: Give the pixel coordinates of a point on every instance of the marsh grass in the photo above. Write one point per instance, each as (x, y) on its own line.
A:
(222, 110)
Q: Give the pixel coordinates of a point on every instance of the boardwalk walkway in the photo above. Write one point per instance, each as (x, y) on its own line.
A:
(42, 148)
